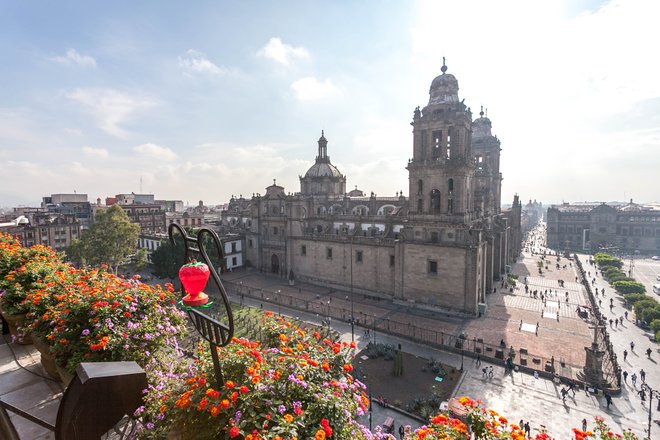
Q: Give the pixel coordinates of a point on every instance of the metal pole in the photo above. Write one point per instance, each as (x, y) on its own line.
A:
(352, 316)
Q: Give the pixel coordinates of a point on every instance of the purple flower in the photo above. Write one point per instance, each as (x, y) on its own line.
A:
(237, 416)
(150, 425)
(85, 332)
(281, 409)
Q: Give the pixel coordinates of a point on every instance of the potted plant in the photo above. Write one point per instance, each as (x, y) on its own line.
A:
(21, 271)
(101, 317)
(293, 385)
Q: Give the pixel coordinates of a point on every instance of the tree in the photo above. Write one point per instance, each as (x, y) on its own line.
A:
(168, 259)
(626, 287)
(110, 240)
(141, 259)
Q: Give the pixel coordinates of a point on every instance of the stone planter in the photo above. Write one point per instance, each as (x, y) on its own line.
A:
(64, 374)
(47, 358)
(15, 322)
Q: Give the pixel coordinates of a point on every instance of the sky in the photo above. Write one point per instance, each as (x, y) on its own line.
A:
(204, 100)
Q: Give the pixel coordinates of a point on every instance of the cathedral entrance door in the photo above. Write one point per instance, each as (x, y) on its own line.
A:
(275, 264)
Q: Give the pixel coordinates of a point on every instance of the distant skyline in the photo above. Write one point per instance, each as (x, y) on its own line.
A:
(207, 99)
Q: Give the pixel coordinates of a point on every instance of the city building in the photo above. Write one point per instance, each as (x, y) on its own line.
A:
(47, 228)
(439, 248)
(624, 228)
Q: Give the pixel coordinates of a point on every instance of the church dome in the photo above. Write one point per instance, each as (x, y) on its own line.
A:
(444, 88)
(323, 169)
(482, 126)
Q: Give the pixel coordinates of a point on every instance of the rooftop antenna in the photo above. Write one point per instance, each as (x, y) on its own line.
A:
(444, 66)
(481, 113)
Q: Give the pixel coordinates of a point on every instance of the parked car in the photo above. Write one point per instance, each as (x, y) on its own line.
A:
(655, 258)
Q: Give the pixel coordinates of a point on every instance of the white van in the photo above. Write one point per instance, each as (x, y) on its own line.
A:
(656, 288)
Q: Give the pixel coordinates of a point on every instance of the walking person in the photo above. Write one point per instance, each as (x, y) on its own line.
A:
(648, 352)
(625, 376)
(642, 394)
(642, 374)
(401, 431)
(528, 430)
(478, 359)
(584, 425)
(625, 354)
(564, 392)
(608, 399)
(632, 346)
(633, 379)
(571, 387)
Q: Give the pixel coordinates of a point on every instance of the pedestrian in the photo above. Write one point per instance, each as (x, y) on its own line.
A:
(584, 425)
(528, 430)
(401, 431)
(608, 399)
(625, 354)
(611, 322)
(478, 359)
(571, 387)
(642, 374)
(564, 392)
(632, 346)
(625, 314)
(642, 394)
(648, 352)
(484, 371)
(490, 371)
(625, 376)
(616, 323)
(633, 379)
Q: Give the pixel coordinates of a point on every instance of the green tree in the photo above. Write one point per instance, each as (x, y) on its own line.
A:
(167, 259)
(603, 260)
(629, 287)
(110, 240)
(141, 259)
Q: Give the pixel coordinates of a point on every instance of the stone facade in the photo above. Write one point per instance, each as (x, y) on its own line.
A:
(617, 228)
(439, 248)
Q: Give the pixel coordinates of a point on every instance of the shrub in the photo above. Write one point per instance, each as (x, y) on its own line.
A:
(633, 298)
(626, 287)
(604, 260)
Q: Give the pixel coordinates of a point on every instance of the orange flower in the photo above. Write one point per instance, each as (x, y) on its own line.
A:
(288, 418)
(320, 435)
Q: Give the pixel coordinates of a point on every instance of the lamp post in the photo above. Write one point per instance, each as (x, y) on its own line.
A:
(462, 349)
(352, 315)
(652, 393)
(279, 303)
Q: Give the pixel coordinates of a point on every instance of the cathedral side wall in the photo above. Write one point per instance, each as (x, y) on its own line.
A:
(446, 288)
(372, 274)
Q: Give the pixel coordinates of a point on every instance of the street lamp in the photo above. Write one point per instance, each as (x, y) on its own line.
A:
(462, 349)
(652, 393)
(279, 303)
(352, 315)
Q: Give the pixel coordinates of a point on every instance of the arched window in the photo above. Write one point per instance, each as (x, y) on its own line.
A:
(450, 185)
(435, 201)
(420, 187)
(420, 206)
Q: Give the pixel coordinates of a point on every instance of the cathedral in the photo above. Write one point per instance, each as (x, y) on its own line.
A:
(440, 248)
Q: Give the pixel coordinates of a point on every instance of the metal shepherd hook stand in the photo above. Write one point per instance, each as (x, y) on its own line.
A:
(216, 333)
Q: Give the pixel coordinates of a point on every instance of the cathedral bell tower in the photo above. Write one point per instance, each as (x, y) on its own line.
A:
(441, 170)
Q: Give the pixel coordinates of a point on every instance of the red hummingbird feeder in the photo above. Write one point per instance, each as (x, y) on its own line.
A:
(194, 277)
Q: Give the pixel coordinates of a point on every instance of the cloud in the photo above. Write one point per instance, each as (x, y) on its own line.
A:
(281, 52)
(197, 62)
(110, 107)
(309, 88)
(101, 153)
(154, 151)
(73, 57)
